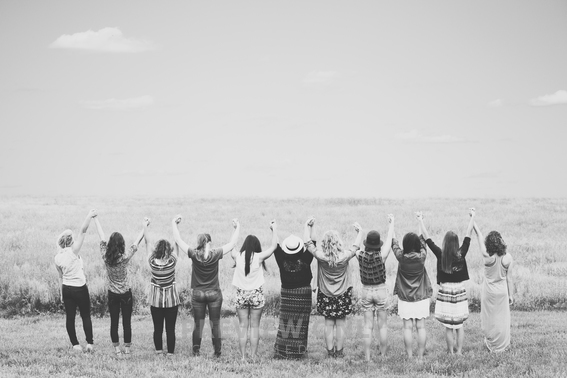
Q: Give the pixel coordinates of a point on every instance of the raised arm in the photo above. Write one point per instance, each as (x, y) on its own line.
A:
(471, 222)
(268, 252)
(480, 240)
(177, 236)
(147, 237)
(387, 247)
(228, 247)
(81, 237)
(422, 229)
(308, 229)
(356, 244)
(99, 230)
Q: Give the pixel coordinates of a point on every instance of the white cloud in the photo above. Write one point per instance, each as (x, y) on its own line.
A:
(496, 103)
(320, 77)
(116, 104)
(416, 136)
(559, 97)
(105, 40)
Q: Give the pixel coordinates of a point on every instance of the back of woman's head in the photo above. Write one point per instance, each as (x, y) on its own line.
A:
(411, 243)
(495, 244)
(202, 240)
(251, 245)
(332, 246)
(163, 250)
(449, 251)
(114, 248)
(65, 239)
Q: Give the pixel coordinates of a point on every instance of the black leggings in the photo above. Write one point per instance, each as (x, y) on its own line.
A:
(168, 314)
(117, 303)
(74, 296)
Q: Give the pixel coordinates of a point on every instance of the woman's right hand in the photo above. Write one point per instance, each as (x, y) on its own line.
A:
(273, 225)
(419, 215)
(390, 218)
(146, 222)
(177, 219)
(472, 211)
(92, 213)
(310, 222)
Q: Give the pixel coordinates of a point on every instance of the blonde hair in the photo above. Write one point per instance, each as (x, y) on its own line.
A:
(65, 239)
(332, 246)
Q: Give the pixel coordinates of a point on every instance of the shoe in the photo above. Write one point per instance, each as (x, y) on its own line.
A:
(90, 348)
(117, 351)
(77, 348)
(331, 353)
(339, 354)
(127, 350)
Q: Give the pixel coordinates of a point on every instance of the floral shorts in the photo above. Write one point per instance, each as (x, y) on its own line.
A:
(250, 298)
(335, 307)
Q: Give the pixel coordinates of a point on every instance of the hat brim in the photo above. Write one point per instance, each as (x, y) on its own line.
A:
(289, 251)
(379, 245)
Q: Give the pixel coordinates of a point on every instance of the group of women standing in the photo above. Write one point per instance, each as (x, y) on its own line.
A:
(294, 257)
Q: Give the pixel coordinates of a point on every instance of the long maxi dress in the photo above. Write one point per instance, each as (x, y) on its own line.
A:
(495, 308)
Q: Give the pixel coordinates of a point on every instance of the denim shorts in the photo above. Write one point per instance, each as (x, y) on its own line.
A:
(374, 297)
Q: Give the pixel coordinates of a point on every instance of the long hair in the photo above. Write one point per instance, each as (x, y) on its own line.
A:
(332, 246)
(114, 248)
(202, 240)
(65, 239)
(251, 245)
(411, 243)
(449, 251)
(495, 244)
(162, 250)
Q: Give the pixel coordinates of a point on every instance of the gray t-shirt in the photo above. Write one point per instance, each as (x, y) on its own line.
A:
(205, 272)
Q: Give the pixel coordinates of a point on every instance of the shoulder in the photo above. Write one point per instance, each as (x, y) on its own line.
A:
(507, 260)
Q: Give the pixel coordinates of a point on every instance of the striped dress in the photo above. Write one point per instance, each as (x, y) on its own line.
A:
(163, 293)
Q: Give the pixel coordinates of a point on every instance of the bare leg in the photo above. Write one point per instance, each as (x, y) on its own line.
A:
(421, 337)
(449, 339)
(408, 327)
(329, 328)
(340, 331)
(255, 315)
(243, 335)
(460, 339)
(367, 335)
(383, 331)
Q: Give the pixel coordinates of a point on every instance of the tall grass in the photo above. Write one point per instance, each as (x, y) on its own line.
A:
(534, 230)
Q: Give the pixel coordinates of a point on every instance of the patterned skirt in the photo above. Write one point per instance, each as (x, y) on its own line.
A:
(452, 306)
(335, 307)
(295, 308)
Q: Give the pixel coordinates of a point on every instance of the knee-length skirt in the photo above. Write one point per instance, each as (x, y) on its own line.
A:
(452, 305)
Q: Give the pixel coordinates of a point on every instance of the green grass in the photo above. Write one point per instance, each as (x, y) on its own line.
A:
(533, 228)
(38, 346)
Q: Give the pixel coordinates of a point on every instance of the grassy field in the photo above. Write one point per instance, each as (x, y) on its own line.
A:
(533, 228)
(38, 346)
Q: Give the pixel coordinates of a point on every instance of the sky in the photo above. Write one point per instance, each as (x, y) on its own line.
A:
(283, 98)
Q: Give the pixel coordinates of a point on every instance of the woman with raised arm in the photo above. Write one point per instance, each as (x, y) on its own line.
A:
(205, 282)
(116, 260)
(163, 298)
(374, 295)
(497, 289)
(74, 290)
(451, 306)
(413, 288)
(334, 298)
(294, 263)
(248, 279)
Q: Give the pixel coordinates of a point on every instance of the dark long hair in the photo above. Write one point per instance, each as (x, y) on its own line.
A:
(202, 240)
(495, 244)
(251, 245)
(163, 250)
(114, 248)
(449, 251)
(411, 243)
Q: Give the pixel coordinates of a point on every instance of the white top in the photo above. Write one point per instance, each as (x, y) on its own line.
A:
(71, 266)
(254, 279)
